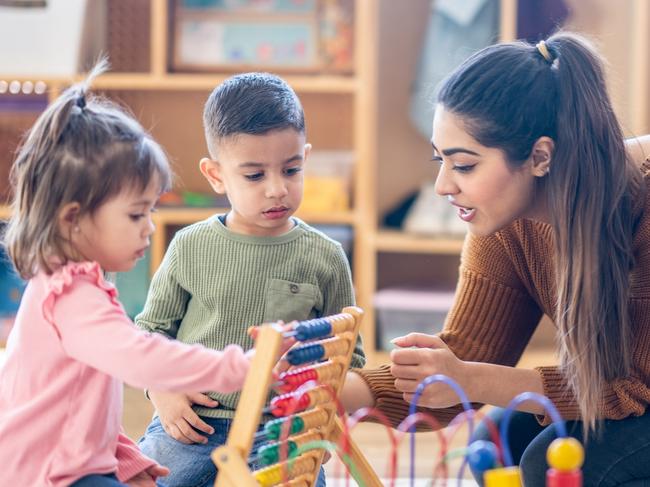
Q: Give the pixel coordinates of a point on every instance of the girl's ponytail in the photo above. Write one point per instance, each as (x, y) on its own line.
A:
(81, 149)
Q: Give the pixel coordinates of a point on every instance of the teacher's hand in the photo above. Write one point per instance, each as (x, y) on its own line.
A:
(423, 355)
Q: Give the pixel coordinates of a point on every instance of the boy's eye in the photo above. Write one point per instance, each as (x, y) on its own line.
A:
(435, 158)
(254, 177)
(293, 170)
(136, 216)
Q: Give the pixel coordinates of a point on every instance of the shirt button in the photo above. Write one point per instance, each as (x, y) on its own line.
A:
(294, 288)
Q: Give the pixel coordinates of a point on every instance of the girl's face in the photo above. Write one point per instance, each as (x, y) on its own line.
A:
(488, 192)
(117, 234)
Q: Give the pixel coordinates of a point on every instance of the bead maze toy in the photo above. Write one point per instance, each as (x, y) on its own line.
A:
(306, 413)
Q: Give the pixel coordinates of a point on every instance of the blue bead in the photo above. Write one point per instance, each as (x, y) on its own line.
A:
(305, 354)
(309, 330)
(482, 455)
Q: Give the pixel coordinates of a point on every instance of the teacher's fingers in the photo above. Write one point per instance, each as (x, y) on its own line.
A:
(420, 340)
(407, 372)
(415, 356)
(406, 385)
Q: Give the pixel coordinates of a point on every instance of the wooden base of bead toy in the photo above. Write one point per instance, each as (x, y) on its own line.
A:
(232, 458)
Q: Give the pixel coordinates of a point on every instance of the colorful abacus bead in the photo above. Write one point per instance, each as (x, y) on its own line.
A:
(275, 474)
(271, 452)
(565, 457)
(298, 401)
(299, 423)
(502, 477)
(322, 373)
(312, 352)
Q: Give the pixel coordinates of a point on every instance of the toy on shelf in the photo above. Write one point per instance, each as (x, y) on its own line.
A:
(308, 423)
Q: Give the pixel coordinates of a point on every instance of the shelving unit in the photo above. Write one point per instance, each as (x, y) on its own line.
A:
(339, 113)
(367, 113)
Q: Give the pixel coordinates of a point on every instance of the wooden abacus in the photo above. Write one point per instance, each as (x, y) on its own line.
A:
(316, 418)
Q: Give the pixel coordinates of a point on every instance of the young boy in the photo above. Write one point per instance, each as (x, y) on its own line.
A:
(254, 264)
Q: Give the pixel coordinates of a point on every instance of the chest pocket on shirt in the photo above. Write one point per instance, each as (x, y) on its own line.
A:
(288, 301)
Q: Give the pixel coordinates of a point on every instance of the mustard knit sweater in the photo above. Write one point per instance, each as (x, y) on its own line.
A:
(506, 284)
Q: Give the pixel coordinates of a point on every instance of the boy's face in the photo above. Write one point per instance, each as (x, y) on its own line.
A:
(262, 175)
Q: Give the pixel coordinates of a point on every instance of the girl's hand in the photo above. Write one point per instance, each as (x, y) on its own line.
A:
(177, 417)
(423, 355)
(147, 478)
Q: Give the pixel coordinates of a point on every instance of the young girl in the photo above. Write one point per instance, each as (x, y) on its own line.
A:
(558, 211)
(86, 181)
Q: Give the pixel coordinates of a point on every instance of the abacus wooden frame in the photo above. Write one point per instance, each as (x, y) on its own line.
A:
(231, 459)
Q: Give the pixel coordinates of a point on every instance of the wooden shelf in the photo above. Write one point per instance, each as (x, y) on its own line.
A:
(400, 242)
(190, 81)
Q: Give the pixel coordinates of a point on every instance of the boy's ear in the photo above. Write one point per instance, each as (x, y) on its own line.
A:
(211, 170)
(68, 218)
(307, 152)
(541, 156)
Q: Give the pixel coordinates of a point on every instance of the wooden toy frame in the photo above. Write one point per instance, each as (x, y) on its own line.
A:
(231, 459)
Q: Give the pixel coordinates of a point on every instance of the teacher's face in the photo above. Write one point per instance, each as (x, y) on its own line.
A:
(488, 192)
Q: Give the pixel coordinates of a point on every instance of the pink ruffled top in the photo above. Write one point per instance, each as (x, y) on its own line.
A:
(71, 348)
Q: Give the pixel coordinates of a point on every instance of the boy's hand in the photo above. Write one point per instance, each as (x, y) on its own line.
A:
(147, 478)
(177, 417)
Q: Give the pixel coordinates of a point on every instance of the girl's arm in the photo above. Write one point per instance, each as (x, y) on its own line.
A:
(94, 329)
(130, 460)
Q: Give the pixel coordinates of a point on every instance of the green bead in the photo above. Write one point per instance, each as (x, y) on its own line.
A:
(274, 428)
(270, 454)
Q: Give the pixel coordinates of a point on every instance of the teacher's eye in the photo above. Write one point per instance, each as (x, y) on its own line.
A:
(435, 158)
(464, 169)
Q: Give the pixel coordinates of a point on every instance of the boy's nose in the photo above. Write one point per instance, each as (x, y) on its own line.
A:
(276, 188)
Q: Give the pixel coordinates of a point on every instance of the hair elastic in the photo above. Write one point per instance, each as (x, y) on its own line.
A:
(543, 50)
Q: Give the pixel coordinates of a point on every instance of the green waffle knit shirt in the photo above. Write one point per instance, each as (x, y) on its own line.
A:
(213, 284)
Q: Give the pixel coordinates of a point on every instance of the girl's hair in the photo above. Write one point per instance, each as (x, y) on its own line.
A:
(510, 95)
(81, 149)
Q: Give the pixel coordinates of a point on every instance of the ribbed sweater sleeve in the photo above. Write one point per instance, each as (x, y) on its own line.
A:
(338, 293)
(492, 320)
(167, 300)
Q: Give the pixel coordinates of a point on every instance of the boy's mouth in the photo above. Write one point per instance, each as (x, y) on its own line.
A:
(276, 212)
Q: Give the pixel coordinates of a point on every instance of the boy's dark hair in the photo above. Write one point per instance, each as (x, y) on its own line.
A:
(251, 103)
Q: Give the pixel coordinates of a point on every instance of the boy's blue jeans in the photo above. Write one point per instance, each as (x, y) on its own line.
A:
(191, 465)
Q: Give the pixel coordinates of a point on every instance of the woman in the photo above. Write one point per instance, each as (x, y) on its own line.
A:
(559, 217)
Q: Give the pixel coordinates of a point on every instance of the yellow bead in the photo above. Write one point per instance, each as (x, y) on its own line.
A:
(502, 477)
(565, 454)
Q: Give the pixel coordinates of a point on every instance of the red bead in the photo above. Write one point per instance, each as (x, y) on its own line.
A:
(555, 478)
